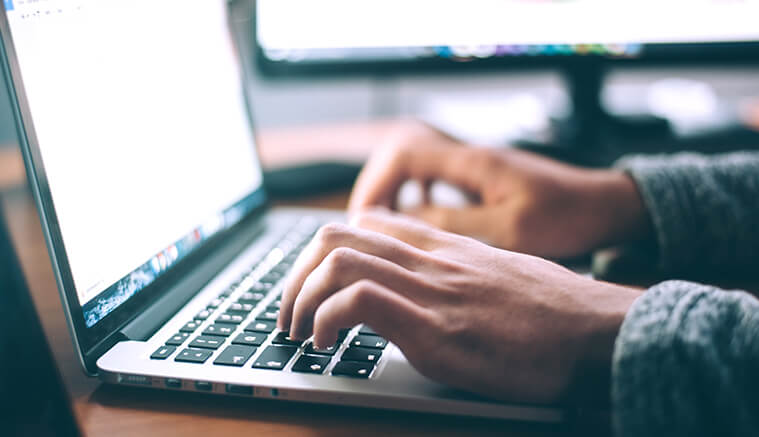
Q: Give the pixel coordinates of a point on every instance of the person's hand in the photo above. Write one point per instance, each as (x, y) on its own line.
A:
(502, 324)
(522, 201)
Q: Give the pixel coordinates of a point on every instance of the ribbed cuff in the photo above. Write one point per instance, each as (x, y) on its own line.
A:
(666, 197)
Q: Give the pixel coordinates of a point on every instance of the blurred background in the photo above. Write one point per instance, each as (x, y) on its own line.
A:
(494, 106)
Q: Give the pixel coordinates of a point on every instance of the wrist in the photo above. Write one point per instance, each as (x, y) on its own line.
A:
(591, 379)
(619, 209)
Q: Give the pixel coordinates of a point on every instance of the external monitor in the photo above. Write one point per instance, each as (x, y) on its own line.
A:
(296, 35)
(581, 38)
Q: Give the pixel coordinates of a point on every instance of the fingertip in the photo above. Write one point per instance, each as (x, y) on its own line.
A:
(322, 341)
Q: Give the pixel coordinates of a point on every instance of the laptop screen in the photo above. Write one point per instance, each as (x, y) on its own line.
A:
(141, 123)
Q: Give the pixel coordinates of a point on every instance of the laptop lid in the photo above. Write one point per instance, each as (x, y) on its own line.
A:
(34, 399)
(137, 139)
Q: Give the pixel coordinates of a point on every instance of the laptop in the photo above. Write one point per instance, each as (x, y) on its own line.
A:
(33, 399)
(137, 137)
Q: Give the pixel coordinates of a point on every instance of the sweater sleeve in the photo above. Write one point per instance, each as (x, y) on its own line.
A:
(704, 209)
(686, 363)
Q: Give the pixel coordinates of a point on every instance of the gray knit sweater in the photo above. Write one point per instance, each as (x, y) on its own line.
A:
(686, 361)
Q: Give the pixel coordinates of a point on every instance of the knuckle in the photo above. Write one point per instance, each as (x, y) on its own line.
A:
(362, 293)
(331, 233)
(340, 258)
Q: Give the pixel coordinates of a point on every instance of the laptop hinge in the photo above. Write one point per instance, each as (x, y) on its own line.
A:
(147, 323)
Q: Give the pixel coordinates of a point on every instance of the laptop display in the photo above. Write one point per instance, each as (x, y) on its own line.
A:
(138, 146)
(123, 117)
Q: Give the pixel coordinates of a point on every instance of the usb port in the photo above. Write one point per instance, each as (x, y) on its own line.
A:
(203, 385)
(173, 383)
(239, 389)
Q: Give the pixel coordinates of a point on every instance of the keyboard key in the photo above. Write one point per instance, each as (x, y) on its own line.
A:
(163, 352)
(193, 356)
(329, 350)
(250, 339)
(251, 297)
(269, 315)
(353, 369)
(271, 278)
(281, 269)
(311, 364)
(262, 287)
(265, 326)
(284, 338)
(230, 318)
(342, 334)
(203, 315)
(235, 355)
(367, 330)
(177, 339)
(369, 341)
(216, 302)
(190, 327)
(275, 357)
(276, 304)
(220, 329)
(241, 307)
(361, 354)
(207, 342)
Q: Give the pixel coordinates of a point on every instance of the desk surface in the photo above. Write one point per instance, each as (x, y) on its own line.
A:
(121, 411)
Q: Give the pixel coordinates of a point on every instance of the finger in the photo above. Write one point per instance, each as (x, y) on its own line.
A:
(390, 167)
(402, 227)
(342, 267)
(329, 238)
(391, 315)
(473, 222)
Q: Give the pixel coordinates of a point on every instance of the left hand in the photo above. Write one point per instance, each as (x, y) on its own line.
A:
(521, 201)
(499, 323)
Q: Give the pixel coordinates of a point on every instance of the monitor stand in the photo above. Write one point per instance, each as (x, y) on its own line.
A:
(591, 136)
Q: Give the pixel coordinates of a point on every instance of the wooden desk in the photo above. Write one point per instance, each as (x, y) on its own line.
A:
(114, 411)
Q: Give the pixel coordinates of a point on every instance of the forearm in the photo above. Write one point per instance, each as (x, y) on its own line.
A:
(703, 210)
(685, 363)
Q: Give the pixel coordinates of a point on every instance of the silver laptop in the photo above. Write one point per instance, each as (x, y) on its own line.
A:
(138, 143)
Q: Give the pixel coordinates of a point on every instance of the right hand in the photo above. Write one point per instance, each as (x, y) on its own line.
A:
(502, 324)
(524, 202)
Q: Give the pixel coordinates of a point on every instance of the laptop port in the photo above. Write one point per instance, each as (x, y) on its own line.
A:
(173, 383)
(239, 389)
(134, 379)
(203, 386)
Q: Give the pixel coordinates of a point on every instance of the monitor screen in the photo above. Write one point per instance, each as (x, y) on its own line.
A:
(140, 120)
(396, 30)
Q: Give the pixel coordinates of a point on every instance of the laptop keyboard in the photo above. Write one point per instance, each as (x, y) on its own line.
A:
(243, 333)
